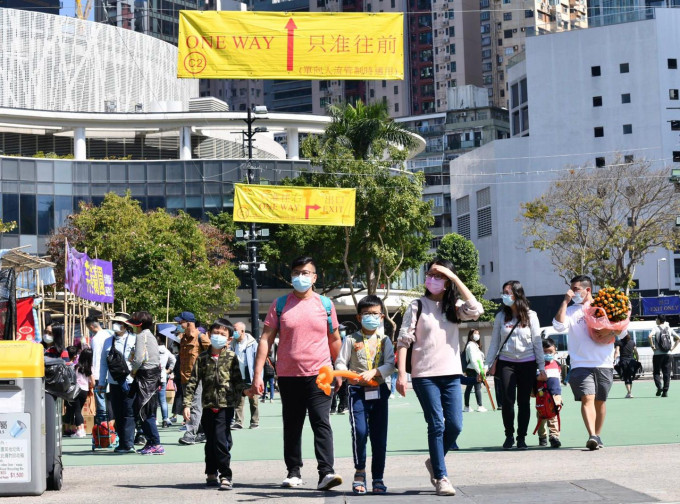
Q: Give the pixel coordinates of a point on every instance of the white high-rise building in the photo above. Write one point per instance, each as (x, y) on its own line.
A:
(571, 105)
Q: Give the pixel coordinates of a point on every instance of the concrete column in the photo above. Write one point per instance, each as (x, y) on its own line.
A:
(185, 142)
(79, 144)
(293, 143)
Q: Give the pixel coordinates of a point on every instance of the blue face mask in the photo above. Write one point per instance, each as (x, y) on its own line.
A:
(370, 322)
(302, 283)
(218, 340)
(507, 300)
(549, 357)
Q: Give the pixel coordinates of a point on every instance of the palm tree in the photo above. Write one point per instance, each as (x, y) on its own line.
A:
(364, 129)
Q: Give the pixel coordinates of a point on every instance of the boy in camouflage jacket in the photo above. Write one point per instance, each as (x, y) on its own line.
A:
(218, 369)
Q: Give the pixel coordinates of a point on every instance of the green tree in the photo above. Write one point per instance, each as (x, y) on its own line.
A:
(604, 221)
(464, 256)
(390, 234)
(5, 227)
(152, 253)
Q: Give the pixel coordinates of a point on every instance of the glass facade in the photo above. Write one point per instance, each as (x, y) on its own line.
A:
(39, 194)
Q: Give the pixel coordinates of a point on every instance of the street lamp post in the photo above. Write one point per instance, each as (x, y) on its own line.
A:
(658, 284)
(252, 248)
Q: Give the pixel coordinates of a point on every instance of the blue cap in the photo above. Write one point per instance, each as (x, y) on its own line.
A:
(185, 316)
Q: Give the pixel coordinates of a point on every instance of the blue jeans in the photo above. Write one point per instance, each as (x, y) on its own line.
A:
(162, 400)
(270, 384)
(100, 405)
(369, 419)
(393, 382)
(441, 400)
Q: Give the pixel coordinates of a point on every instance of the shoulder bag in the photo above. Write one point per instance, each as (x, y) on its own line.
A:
(492, 369)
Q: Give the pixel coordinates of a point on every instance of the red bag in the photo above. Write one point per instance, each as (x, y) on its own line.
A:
(103, 435)
(545, 406)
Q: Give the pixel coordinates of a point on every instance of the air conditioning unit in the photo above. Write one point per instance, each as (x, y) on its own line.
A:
(516, 48)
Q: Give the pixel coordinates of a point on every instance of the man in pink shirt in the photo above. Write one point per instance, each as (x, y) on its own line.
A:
(306, 343)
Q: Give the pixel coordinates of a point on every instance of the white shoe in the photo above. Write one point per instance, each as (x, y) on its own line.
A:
(80, 433)
(291, 481)
(466, 409)
(329, 481)
(482, 409)
(444, 487)
(392, 396)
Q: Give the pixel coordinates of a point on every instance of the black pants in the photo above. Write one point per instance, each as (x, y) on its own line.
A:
(340, 399)
(299, 396)
(74, 410)
(518, 379)
(121, 403)
(477, 386)
(218, 441)
(662, 365)
(628, 369)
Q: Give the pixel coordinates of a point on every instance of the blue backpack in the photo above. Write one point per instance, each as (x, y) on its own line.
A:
(326, 302)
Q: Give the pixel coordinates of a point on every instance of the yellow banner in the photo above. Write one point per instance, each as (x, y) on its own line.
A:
(291, 45)
(312, 206)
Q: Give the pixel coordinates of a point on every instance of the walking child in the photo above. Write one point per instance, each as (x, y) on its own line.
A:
(218, 369)
(554, 373)
(371, 354)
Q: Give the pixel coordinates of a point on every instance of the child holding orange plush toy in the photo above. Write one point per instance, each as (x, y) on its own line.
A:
(371, 354)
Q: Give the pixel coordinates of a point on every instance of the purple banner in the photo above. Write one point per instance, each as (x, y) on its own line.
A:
(90, 279)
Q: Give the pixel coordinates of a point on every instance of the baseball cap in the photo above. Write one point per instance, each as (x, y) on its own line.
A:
(185, 316)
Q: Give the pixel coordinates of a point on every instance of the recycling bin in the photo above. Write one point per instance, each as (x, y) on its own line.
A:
(22, 419)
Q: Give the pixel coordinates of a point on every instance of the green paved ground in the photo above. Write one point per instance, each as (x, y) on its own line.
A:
(645, 420)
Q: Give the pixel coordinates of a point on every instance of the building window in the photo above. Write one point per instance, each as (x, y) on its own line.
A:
(528, 13)
(628, 158)
(463, 216)
(597, 101)
(675, 125)
(483, 269)
(625, 98)
(396, 90)
(672, 64)
(676, 156)
(507, 16)
(595, 71)
(491, 267)
(484, 212)
(371, 93)
(485, 16)
(599, 131)
(396, 107)
(624, 68)
(507, 33)
(627, 129)
(599, 162)
(673, 94)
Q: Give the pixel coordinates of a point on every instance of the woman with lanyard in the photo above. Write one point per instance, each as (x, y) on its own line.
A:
(515, 353)
(369, 353)
(430, 327)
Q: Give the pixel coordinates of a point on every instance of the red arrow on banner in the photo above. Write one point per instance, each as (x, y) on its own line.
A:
(291, 27)
(310, 207)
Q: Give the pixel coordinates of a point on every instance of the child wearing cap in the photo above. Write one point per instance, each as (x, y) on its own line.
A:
(219, 372)
(371, 354)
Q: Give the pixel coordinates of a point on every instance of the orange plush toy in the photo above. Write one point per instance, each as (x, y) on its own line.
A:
(328, 374)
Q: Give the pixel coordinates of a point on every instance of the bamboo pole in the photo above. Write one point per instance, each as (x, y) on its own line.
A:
(167, 308)
(65, 294)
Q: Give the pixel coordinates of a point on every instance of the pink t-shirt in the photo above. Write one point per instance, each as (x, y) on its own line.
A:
(303, 335)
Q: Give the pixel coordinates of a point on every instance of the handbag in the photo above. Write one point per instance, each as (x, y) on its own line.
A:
(170, 385)
(117, 365)
(492, 369)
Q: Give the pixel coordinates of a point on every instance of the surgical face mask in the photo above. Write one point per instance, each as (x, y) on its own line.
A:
(507, 299)
(179, 330)
(343, 334)
(48, 338)
(475, 337)
(302, 283)
(117, 327)
(370, 321)
(549, 357)
(237, 335)
(218, 340)
(579, 297)
(435, 285)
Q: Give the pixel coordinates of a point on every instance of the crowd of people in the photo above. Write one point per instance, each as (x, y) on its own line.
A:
(218, 371)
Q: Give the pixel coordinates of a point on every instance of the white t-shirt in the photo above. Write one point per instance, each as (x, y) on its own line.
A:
(583, 351)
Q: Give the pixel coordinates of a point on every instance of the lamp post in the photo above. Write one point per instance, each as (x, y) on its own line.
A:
(252, 263)
(658, 284)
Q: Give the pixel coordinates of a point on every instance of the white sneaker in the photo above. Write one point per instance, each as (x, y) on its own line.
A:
(80, 433)
(329, 481)
(291, 481)
(482, 409)
(444, 487)
(466, 409)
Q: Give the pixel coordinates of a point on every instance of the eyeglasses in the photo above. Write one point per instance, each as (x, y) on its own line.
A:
(303, 273)
(435, 276)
